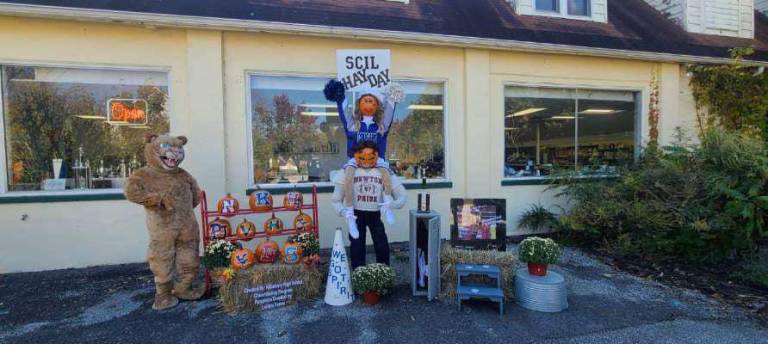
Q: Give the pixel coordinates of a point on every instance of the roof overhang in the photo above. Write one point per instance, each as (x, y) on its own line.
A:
(224, 24)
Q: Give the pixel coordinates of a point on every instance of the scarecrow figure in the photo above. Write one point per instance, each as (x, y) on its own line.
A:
(371, 121)
(367, 194)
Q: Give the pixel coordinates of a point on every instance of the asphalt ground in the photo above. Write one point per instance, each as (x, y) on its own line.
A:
(112, 304)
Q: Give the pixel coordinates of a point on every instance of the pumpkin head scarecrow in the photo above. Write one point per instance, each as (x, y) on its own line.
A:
(169, 195)
(362, 198)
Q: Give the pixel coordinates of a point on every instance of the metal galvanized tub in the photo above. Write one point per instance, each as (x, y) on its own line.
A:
(541, 293)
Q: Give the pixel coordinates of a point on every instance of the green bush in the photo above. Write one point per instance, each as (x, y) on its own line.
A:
(537, 218)
(705, 203)
(538, 250)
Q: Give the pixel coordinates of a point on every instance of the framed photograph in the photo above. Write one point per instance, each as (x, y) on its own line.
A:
(479, 224)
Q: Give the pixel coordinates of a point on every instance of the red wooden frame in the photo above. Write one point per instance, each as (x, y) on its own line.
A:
(205, 215)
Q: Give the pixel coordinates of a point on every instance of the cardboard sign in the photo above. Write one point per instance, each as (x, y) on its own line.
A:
(363, 69)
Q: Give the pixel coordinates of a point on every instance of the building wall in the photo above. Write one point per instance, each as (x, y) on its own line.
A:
(208, 79)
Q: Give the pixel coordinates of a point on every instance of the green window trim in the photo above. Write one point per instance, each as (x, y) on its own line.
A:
(549, 180)
(52, 198)
(327, 188)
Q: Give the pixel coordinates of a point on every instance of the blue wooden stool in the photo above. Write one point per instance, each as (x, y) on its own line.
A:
(466, 291)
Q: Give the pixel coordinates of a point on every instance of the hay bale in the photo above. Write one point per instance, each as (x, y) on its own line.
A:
(233, 295)
(450, 256)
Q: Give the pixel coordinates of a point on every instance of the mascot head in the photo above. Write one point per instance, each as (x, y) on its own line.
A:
(164, 152)
(366, 154)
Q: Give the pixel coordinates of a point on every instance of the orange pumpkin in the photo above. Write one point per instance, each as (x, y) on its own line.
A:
(267, 251)
(260, 200)
(366, 158)
(273, 226)
(291, 252)
(219, 228)
(246, 229)
(302, 222)
(242, 258)
(228, 206)
(293, 200)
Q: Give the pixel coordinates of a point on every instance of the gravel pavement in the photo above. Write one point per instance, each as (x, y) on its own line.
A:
(111, 304)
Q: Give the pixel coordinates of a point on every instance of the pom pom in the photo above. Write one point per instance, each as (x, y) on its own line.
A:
(334, 91)
(395, 92)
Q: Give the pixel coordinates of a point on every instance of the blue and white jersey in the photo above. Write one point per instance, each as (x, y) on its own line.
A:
(368, 131)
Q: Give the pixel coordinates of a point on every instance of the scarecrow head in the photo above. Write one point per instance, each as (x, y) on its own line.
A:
(369, 104)
(366, 154)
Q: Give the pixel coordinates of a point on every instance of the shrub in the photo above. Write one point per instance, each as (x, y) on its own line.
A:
(537, 218)
(539, 250)
(375, 277)
(704, 204)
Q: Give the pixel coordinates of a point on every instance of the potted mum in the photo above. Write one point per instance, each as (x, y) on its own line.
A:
(373, 281)
(538, 253)
(217, 258)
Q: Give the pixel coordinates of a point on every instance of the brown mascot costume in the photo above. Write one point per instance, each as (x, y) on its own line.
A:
(169, 194)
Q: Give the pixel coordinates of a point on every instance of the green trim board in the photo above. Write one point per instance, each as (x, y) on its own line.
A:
(61, 198)
(548, 181)
(281, 190)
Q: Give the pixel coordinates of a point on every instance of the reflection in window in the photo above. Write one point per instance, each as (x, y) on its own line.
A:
(541, 126)
(297, 136)
(547, 5)
(578, 7)
(59, 133)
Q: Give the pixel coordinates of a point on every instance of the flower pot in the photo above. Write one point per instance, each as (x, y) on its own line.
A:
(371, 297)
(537, 269)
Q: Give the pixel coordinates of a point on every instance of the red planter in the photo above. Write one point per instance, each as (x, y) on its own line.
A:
(371, 297)
(537, 269)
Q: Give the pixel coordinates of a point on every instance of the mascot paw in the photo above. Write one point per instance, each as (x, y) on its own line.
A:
(167, 202)
(187, 293)
(334, 91)
(165, 303)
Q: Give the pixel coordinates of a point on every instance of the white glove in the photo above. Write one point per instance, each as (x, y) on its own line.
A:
(386, 209)
(349, 214)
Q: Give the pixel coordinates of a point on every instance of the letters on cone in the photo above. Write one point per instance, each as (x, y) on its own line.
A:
(338, 290)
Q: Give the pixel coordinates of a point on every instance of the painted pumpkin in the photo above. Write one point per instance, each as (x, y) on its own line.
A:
(291, 252)
(219, 228)
(313, 261)
(228, 206)
(260, 200)
(242, 258)
(273, 226)
(366, 158)
(267, 251)
(293, 200)
(302, 222)
(246, 230)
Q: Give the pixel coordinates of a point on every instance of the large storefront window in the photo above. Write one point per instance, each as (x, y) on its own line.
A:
(297, 136)
(549, 129)
(71, 128)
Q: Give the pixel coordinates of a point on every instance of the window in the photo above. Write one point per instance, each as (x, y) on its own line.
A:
(547, 129)
(547, 5)
(564, 7)
(578, 7)
(72, 128)
(297, 136)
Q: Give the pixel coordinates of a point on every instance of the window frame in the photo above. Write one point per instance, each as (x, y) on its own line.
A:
(640, 107)
(4, 193)
(562, 11)
(250, 185)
